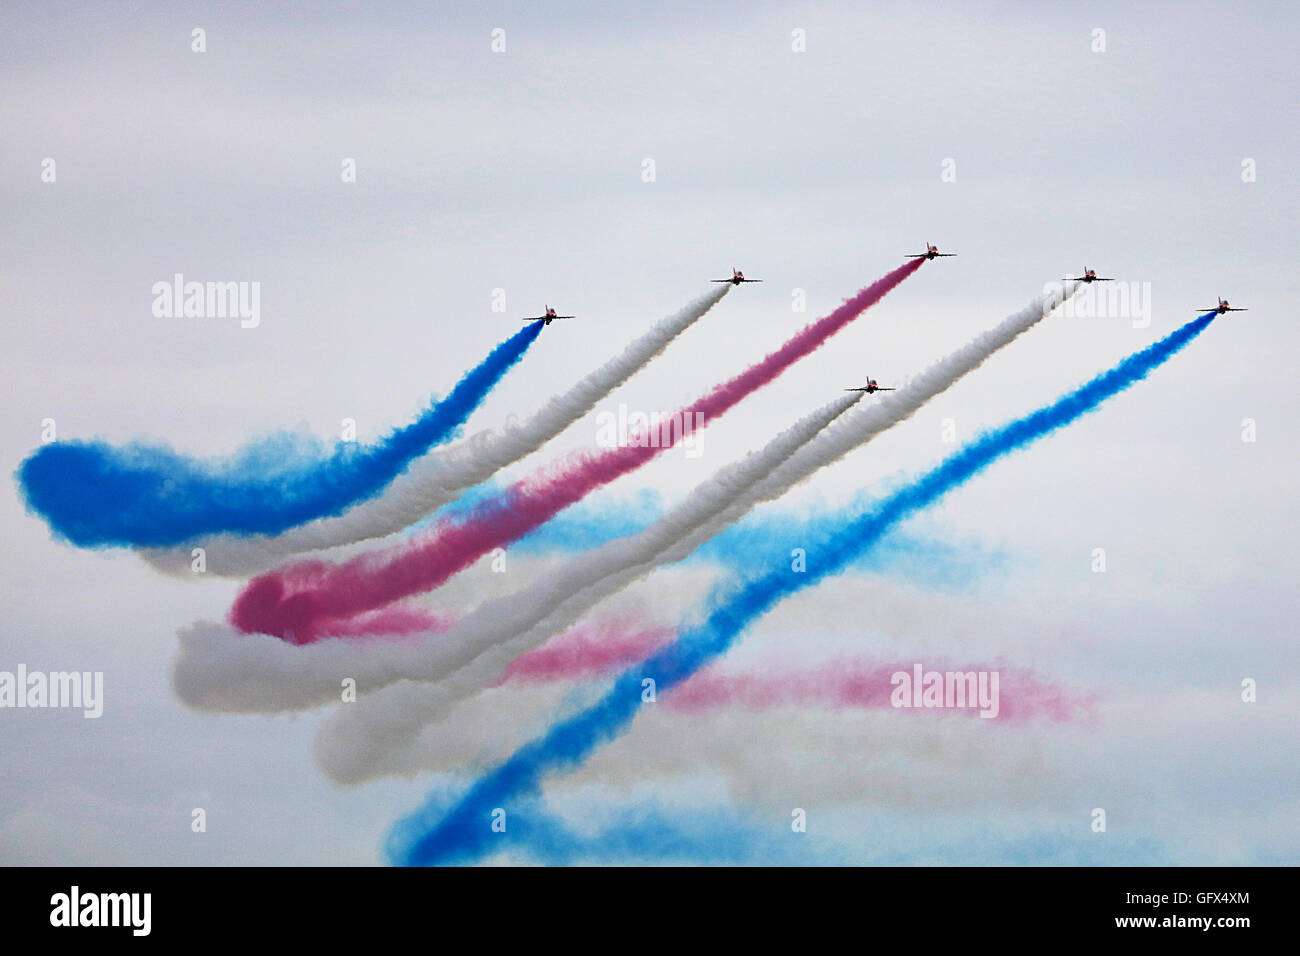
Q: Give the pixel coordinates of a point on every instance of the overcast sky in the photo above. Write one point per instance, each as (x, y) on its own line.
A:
(1001, 131)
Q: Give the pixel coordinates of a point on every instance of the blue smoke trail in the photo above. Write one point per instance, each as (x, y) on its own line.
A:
(648, 834)
(462, 834)
(711, 836)
(95, 495)
(925, 560)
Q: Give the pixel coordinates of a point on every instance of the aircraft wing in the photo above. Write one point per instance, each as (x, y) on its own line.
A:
(751, 280)
(944, 255)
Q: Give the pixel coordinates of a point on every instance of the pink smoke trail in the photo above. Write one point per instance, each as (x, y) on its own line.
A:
(603, 647)
(298, 602)
(853, 684)
(608, 647)
(396, 621)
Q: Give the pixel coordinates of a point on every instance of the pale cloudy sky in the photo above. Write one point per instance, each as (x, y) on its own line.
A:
(816, 171)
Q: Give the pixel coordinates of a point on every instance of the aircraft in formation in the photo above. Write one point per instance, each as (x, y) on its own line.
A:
(1089, 275)
(870, 387)
(931, 252)
(737, 277)
(1223, 307)
(549, 317)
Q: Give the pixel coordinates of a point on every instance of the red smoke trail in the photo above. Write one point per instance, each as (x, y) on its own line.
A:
(298, 602)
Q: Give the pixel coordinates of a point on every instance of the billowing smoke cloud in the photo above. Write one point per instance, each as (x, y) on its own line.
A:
(217, 670)
(220, 669)
(431, 482)
(303, 602)
(93, 494)
(458, 833)
(389, 719)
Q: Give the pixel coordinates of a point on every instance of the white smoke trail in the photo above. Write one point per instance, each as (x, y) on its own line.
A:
(936, 761)
(907, 760)
(767, 756)
(436, 479)
(220, 670)
(354, 740)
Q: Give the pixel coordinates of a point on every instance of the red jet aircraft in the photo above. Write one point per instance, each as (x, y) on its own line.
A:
(549, 317)
(870, 387)
(1224, 307)
(737, 277)
(931, 252)
(1089, 275)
